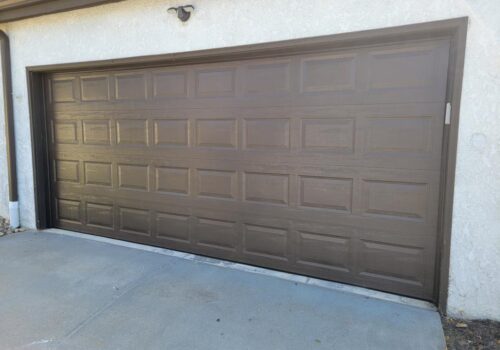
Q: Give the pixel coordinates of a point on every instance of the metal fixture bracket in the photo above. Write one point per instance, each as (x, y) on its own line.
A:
(182, 14)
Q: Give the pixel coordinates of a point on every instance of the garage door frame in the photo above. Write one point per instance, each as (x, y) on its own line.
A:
(454, 29)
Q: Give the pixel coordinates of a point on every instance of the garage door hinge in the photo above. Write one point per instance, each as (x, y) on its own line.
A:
(447, 116)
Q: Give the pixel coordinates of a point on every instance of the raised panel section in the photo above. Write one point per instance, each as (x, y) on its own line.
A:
(266, 188)
(328, 73)
(218, 234)
(65, 132)
(268, 78)
(134, 221)
(215, 83)
(393, 262)
(409, 135)
(68, 210)
(172, 227)
(216, 133)
(67, 170)
(269, 242)
(328, 134)
(172, 180)
(326, 193)
(267, 133)
(96, 132)
(394, 199)
(135, 177)
(100, 215)
(130, 86)
(401, 68)
(97, 173)
(171, 132)
(169, 85)
(63, 90)
(95, 88)
(217, 183)
(132, 132)
(323, 251)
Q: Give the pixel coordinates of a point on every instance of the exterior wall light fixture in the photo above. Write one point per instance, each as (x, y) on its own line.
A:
(182, 14)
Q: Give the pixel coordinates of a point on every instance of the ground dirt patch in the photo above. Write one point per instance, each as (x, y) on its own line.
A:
(471, 335)
(6, 229)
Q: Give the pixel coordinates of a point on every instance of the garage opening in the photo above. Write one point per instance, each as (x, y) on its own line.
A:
(320, 161)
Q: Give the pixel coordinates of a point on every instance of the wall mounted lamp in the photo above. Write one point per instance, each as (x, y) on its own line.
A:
(182, 14)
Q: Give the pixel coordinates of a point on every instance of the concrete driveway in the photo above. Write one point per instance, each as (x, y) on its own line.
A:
(63, 292)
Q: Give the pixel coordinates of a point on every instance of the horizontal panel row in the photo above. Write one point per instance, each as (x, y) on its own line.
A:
(394, 199)
(399, 72)
(310, 246)
(388, 136)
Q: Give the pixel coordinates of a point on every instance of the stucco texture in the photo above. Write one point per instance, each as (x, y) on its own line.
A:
(143, 27)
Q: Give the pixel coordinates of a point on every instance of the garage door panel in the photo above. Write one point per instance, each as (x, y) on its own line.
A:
(94, 88)
(394, 137)
(401, 200)
(398, 135)
(266, 133)
(65, 131)
(170, 83)
(133, 177)
(379, 195)
(312, 101)
(215, 81)
(172, 132)
(321, 163)
(172, 180)
(275, 161)
(268, 188)
(68, 210)
(62, 89)
(130, 86)
(268, 77)
(323, 250)
(96, 132)
(397, 73)
(327, 193)
(67, 170)
(218, 184)
(216, 233)
(172, 226)
(100, 215)
(328, 135)
(265, 241)
(405, 70)
(313, 215)
(132, 132)
(329, 73)
(403, 135)
(186, 206)
(396, 264)
(325, 247)
(134, 221)
(216, 133)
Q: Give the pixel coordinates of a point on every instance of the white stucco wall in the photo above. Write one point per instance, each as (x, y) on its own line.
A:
(142, 27)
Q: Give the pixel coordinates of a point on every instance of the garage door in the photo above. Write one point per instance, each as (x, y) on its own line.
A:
(320, 163)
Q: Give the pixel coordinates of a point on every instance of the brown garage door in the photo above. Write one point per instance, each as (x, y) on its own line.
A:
(325, 164)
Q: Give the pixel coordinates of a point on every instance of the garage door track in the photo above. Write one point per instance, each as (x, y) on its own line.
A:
(62, 292)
